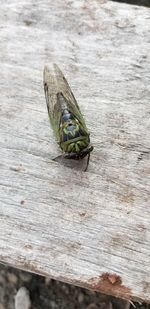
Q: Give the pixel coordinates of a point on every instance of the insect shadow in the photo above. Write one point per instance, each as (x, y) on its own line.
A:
(79, 165)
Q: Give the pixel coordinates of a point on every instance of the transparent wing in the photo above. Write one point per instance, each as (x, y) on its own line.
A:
(55, 83)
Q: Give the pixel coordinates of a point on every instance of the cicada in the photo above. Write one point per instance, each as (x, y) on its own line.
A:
(65, 116)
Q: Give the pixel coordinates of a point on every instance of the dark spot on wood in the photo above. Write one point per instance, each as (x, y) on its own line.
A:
(137, 65)
(110, 284)
(127, 197)
(141, 227)
(22, 202)
(29, 247)
(82, 214)
(15, 169)
(142, 154)
(28, 22)
(112, 278)
(117, 241)
(75, 246)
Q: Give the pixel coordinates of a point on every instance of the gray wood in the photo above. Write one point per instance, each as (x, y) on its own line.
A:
(86, 228)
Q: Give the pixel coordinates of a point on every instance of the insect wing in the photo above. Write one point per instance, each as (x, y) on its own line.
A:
(51, 89)
(71, 102)
(54, 84)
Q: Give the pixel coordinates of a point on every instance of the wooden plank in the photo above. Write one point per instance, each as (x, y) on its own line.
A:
(87, 228)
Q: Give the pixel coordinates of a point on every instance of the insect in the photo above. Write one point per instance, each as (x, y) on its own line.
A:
(65, 116)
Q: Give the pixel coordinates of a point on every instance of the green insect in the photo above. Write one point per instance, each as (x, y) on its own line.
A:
(65, 116)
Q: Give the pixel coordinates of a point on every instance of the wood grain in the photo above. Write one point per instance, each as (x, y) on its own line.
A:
(90, 229)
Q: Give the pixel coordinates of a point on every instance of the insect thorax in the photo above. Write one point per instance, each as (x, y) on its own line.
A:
(73, 137)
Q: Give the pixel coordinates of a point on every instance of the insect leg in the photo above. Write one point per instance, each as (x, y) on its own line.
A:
(87, 163)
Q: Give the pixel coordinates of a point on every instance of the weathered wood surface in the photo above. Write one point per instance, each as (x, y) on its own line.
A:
(91, 229)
